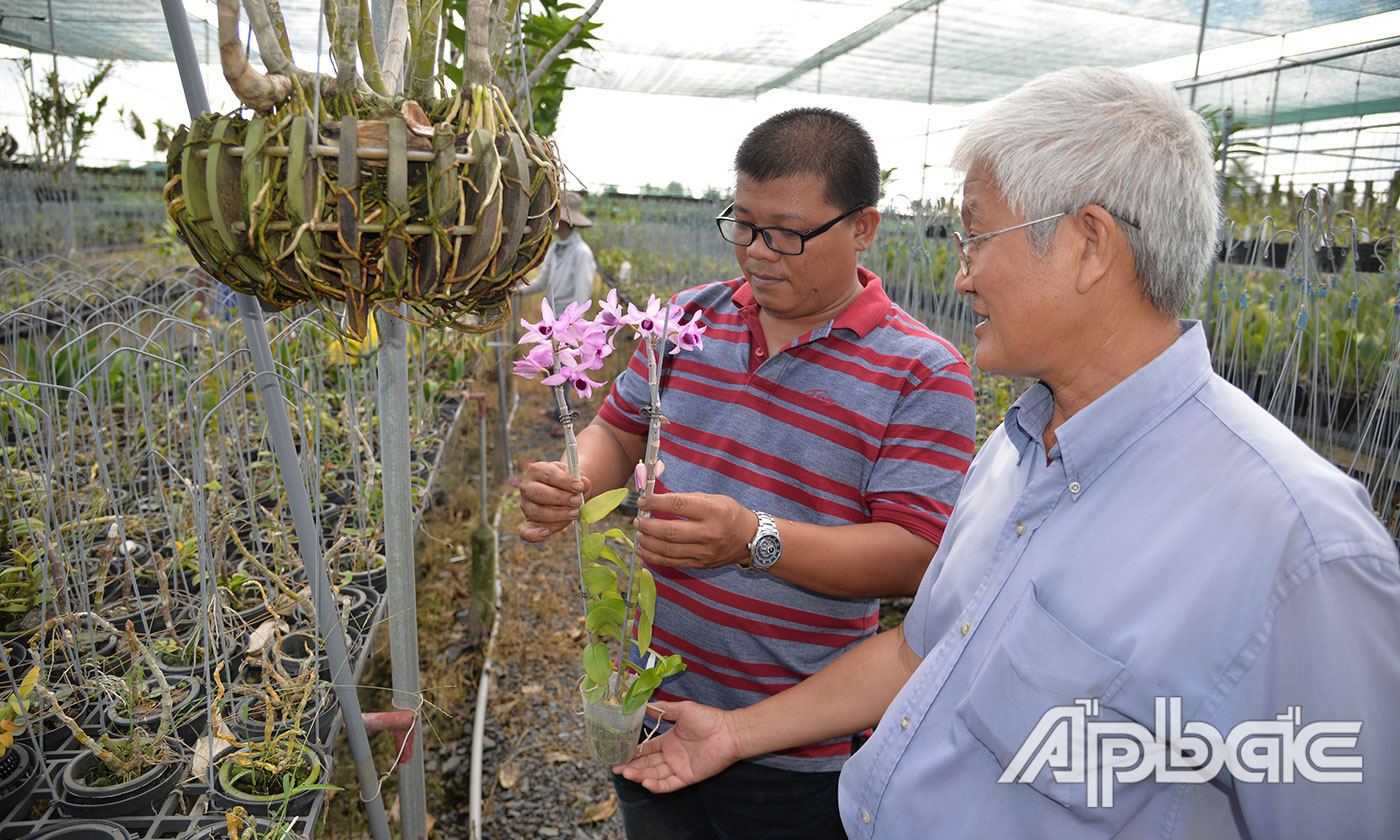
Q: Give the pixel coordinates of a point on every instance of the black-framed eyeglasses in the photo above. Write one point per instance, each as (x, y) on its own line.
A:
(779, 239)
(965, 259)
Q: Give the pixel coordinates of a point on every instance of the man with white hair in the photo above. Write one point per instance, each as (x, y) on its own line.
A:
(1155, 611)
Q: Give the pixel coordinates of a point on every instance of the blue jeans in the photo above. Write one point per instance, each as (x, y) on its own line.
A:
(746, 801)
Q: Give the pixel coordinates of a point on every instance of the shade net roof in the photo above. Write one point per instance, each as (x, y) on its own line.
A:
(131, 30)
(965, 51)
(950, 52)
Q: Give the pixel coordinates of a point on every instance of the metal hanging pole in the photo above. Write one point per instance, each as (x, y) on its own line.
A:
(401, 569)
(400, 596)
(284, 447)
(1200, 44)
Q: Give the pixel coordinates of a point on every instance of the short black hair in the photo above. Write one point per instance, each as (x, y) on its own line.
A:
(814, 141)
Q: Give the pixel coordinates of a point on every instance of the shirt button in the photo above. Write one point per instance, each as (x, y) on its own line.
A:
(1020, 528)
(865, 817)
(965, 628)
(904, 722)
(1074, 488)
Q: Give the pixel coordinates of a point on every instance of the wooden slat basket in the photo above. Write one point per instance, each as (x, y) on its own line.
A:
(374, 212)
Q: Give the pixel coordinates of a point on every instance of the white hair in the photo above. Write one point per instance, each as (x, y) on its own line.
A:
(1105, 136)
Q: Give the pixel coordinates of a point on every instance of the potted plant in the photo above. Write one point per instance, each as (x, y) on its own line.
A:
(119, 773)
(278, 776)
(341, 188)
(615, 688)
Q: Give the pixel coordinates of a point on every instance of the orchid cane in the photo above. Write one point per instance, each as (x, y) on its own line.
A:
(645, 478)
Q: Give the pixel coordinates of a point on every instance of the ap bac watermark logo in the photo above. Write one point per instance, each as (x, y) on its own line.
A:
(1103, 753)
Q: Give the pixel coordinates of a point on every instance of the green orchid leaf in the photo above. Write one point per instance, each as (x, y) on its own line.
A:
(646, 593)
(597, 663)
(592, 691)
(618, 534)
(598, 579)
(592, 546)
(611, 556)
(605, 609)
(601, 505)
(640, 691)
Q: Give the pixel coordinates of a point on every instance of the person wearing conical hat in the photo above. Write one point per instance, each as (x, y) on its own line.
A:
(566, 276)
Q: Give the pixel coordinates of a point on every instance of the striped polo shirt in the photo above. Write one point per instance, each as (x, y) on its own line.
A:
(868, 418)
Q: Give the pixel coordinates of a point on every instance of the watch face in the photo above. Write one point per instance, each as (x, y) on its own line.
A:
(766, 551)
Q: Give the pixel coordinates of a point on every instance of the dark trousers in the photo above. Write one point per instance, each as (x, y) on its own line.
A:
(746, 801)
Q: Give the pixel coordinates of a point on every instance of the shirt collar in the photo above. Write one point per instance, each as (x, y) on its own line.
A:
(1091, 440)
(864, 314)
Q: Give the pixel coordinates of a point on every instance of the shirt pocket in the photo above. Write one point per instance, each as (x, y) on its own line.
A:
(1035, 665)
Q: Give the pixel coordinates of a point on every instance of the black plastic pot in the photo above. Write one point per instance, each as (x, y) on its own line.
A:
(301, 650)
(356, 604)
(52, 732)
(83, 830)
(142, 795)
(188, 713)
(228, 659)
(19, 771)
(143, 611)
(227, 795)
(247, 719)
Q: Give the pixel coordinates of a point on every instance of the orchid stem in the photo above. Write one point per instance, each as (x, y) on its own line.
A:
(652, 452)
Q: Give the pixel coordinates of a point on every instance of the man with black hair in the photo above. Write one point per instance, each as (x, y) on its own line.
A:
(815, 445)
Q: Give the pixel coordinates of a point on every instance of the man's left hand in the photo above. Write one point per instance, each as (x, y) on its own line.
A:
(711, 530)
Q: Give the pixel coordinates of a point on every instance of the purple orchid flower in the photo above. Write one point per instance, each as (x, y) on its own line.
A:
(539, 360)
(583, 385)
(610, 312)
(687, 337)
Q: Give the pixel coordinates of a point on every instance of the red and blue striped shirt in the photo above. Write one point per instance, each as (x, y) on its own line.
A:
(869, 418)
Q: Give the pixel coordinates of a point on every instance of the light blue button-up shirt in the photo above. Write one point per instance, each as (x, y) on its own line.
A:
(1180, 542)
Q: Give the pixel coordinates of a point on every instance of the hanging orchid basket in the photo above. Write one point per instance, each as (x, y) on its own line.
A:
(335, 190)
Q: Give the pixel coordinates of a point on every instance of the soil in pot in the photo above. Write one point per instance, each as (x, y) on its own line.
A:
(262, 793)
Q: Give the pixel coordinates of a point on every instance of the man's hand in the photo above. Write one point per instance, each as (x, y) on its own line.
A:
(550, 499)
(701, 744)
(713, 530)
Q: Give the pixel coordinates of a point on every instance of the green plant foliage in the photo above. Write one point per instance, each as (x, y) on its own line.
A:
(605, 610)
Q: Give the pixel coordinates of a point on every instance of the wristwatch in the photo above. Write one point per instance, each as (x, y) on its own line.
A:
(766, 546)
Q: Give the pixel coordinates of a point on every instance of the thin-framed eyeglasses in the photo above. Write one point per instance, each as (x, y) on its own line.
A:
(965, 259)
(779, 239)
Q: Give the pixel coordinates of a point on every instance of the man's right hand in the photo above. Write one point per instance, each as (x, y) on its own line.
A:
(550, 499)
(701, 744)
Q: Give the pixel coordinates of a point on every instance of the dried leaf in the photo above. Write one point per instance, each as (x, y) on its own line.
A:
(532, 688)
(508, 774)
(417, 120)
(557, 757)
(210, 747)
(600, 811)
(262, 635)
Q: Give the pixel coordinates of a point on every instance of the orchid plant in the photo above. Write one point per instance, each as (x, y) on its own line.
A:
(567, 348)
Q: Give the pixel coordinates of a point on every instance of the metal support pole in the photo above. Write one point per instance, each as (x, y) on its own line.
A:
(398, 553)
(1200, 45)
(298, 499)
